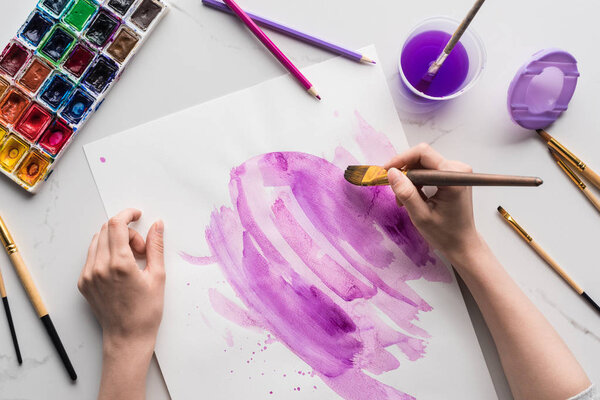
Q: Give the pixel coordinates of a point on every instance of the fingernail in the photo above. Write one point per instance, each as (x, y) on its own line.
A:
(393, 175)
(160, 226)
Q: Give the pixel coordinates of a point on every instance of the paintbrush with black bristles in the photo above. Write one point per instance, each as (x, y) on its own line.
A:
(371, 175)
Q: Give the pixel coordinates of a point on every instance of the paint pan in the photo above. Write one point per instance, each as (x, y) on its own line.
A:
(79, 59)
(56, 91)
(102, 28)
(100, 74)
(56, 137)
(12, 106)
(54, 7)
(13, 58)
(123, 44)
(11, 152)
(58, 43)
(57, 71)
(78, 106)
(33, 168)
(146, 12)
(79, 14)
(120, 6)
(34, 76)
(37, 26)
(33, 122)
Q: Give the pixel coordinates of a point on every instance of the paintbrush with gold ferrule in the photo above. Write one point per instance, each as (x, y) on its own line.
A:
(546, 257)
(575, 178)
(585, 170)
(371, 175)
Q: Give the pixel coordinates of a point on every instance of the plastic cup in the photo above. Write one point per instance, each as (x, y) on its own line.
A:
(472, 44)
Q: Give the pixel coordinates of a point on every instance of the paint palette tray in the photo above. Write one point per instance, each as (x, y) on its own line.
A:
(57, 71)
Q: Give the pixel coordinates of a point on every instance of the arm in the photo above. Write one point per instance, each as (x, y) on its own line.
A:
(536, 362)
(127, 301)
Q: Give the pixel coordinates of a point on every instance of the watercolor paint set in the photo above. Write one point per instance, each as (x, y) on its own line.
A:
(57, 71)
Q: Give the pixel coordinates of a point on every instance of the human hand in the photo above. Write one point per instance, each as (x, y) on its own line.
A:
(446, 219)
(127, 301)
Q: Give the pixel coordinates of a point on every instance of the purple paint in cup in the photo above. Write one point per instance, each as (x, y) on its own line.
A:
(459, 73)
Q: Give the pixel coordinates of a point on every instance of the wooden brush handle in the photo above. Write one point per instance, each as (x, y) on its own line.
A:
(2, 288)
(463, 26)
(593, 199)
(27, 282)
(424, 177)
(546, 257)
(591, 176)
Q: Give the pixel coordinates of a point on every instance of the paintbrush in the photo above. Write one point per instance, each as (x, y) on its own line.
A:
(371, 175)
(434, 68)
(586, 171)
(580, 184)
(546, 257)
(11, 325)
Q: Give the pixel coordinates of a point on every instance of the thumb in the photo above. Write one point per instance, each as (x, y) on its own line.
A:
(155, 254)
(406, 193)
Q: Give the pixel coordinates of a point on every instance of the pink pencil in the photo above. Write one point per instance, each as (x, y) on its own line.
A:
(272, 47)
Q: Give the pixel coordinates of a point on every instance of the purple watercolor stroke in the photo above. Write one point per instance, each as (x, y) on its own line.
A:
(316, 261)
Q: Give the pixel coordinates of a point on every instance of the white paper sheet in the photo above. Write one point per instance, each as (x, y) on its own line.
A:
(178, 169)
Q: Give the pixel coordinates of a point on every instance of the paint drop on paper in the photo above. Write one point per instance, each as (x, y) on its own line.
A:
(102, 160)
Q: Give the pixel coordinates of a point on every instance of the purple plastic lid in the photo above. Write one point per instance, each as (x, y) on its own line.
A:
(542, 88)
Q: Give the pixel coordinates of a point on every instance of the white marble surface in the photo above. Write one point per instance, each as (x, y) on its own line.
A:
(54, 227)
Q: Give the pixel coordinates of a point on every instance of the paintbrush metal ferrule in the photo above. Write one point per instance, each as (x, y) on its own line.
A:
(568, 171)
(522, 232)
(562, 150)
(6, 239)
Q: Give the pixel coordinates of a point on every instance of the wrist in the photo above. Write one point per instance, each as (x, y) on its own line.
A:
(468, 253)
(132, 348)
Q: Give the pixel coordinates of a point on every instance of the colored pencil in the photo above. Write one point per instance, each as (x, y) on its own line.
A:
(293, 33)
(11, 326)
(256, 31)
(546, 257)
(34, 295)
(371, 175)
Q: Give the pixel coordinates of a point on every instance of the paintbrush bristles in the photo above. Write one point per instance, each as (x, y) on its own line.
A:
(366, 175)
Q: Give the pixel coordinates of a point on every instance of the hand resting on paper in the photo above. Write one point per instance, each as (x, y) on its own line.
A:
(537, 363)
(127, 301)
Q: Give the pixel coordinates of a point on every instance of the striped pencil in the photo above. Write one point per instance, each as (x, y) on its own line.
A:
(272, 48)
(293, 33)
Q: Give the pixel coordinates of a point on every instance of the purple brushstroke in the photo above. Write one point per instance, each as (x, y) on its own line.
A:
(316, 261)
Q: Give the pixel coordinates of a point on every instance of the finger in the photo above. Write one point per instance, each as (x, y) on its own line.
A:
(86, 272)
(102, 249)
(422, 155)
(407, 193)
(155, 258)
(118, 231)
(91, 255)
(136, 242)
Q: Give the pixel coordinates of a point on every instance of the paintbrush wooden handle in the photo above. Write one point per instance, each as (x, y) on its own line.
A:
(28, 284)
(2, 288)
(423, 177)
(557, 268)
(591, 176)
(463, 26)
(593, 199)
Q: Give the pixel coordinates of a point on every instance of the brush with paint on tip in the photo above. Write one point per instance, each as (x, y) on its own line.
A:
(372, 175)
(434, 68)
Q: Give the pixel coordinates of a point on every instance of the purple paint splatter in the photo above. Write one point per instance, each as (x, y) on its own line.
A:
(315, 260)
(102, 160)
